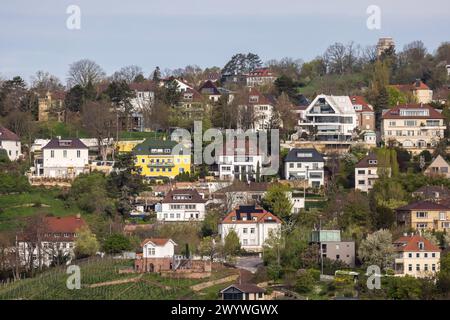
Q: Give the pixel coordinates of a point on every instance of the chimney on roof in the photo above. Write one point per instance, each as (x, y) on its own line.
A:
(405, 234)
(78, 216)
(58, 137)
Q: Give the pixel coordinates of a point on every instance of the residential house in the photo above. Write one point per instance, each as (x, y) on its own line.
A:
(260, 77)
(438, 168)
(253, 226)
(158, 254)
(192, 105)
(367, 172)
(53, 239)
(432, 193)
(257, 108)
(370, 138)
(246, 291)
(332, 247)
(10, 142)
(424, 215)
(242, 193)
(63, 158)
(305, 164)
(364, 112)
(416, 256)
(210, 90)
(419, 90)
(51, 106)
(239, 159)
(412, 126)
(182, 85)
(141, 102)
(330, 118)
(297, 200)
(182, 205)
(159, 159)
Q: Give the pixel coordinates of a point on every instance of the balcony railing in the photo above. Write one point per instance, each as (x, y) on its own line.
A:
(161, 165)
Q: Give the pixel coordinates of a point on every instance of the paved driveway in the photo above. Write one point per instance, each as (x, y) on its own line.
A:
(249, 263)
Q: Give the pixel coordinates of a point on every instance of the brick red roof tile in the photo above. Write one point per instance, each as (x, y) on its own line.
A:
(8, 135)
(411, 244)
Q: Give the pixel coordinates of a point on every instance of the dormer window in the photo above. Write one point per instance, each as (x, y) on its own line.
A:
(373, 161)
(233, 218)
(253, 99)
(421, 246)
(304, 155)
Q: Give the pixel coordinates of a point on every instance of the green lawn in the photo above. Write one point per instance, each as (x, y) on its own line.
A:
(65, 130)
(52, 285)
(16, 207)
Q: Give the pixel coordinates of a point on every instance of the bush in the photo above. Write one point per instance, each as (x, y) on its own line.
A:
(116, 243)
(305, 282)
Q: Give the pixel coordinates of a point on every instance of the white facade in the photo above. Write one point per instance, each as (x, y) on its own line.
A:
(182, 212)
(305, 164)
(151, 249)
(64, 162)
(231, 167)
(13, 149)
(252, 236)
(46, 252)
(297, 201)
(330, 118)
(365, 178)
(418, 264)
(263, 116)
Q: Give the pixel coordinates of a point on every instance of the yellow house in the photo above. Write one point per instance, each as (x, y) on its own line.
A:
(157, 159)
(424, 215)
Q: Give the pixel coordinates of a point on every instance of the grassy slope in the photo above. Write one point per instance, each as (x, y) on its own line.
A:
(52, 285)
(15, 207)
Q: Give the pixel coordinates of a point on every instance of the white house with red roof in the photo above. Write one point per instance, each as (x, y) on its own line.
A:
(182, 205)
(260, 77)
(10, 142)
(416, 256)
(54, 238)
(158, 254)
(412, 126)
(253, 226)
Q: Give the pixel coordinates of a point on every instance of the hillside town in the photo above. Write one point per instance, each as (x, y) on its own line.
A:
(256, 180)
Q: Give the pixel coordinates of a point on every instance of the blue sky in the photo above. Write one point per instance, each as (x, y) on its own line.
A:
(175, 33)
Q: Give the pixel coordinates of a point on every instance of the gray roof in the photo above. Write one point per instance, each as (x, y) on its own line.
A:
(293, 155)
(65, 144)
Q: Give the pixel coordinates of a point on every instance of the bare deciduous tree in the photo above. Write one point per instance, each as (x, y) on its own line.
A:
(43, 81)
(127, 74)
(100, 121)
(83, 72)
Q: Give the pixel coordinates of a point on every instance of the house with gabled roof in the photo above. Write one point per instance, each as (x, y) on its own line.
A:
(416, 256)
(243, 291)
(418, 89)
(192, 104)
(54, 238)
(330, 118)
(210, 90)
(10, 142)
(438, 168)
(365, 113)
(158, 254)
(367, 172)
(262, 108)
(253, 225)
